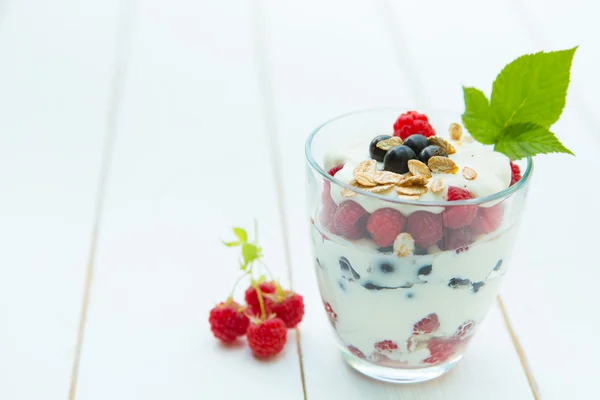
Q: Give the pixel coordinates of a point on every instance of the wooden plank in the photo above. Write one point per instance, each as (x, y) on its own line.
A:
(540, 313)
(553, 324)
(556, 25)
(191, 161)
(57, 63)
(325, 63)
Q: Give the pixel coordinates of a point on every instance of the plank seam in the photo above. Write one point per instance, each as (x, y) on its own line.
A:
(535, 390)
(266, 93)
(121, 56)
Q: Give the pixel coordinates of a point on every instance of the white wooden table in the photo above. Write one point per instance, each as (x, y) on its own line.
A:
(116, 187)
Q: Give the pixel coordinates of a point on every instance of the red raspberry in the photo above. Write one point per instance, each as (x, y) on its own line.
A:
(386, 346)
(356, 352)
(330, 313)
(516, 173)
(328, 209)
(456, 239)
(488, 219)
(331, 172)
(427, 325)
(464, 329)
(411, 123)
(228, 321)
(441, 350)
(384, 225)
(425, 228)
(251, 297)
(290, 309)
(349, 220)
(267, 338)
(335, 169)
(458, 216)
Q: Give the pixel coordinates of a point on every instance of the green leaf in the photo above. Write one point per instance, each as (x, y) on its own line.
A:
(250, 252)
(532, 88)
(528, 139)
(232, 244)
(241, 234)
(477, 117)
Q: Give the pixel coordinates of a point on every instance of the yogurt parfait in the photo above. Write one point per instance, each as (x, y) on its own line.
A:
(412, 225)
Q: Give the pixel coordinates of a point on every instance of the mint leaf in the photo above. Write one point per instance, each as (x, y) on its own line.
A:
(528, 139)
(232, 244)
(477, 116)
(241, 234)
(532, 88)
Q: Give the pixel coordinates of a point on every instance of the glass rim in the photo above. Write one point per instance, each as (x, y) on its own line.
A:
(478, 200)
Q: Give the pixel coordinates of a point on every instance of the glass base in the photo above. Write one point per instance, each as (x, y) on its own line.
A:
(398, 375)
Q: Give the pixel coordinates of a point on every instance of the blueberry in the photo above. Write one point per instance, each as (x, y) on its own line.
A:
(457, 283)
(396, 159)
(346, 267)
(420, 251)
(387, 268)
(426, 270)
(476, 286)
(431, 151)
(416, 142)
(498, 265)
(371, 286)
(375, 152)
(410, 295)
(344, 264)
(388, 249)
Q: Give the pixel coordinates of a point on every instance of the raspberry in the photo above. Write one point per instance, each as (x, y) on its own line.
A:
(464, 329)
(356, 352)
(458, 216)
(425, 228)
(349, 220)
(328, 209)
(515, 173)
(440, 350)
(488, 219)
(228, 321)
(427, 325)
(411, 123)
(267, 338)
(384, 225)
(290, 309)
(330, 313)
(386, 346)
(331, 172)
(251, 297)
(335, 169)
(456, 239)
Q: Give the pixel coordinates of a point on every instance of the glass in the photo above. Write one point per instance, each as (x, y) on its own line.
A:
(405, 313)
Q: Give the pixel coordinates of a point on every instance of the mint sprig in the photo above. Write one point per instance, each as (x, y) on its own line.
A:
(528, 97)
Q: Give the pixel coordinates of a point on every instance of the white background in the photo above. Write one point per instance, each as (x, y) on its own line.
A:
(133, 134)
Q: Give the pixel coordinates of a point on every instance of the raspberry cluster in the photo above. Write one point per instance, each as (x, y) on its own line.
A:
(456, 227)
(425, 333)
(268, 313)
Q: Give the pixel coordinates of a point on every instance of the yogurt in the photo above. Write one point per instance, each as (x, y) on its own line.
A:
(418, 309)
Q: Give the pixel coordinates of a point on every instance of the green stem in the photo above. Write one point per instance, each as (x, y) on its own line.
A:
(260, 301)
(237, 281)
(266, 268)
